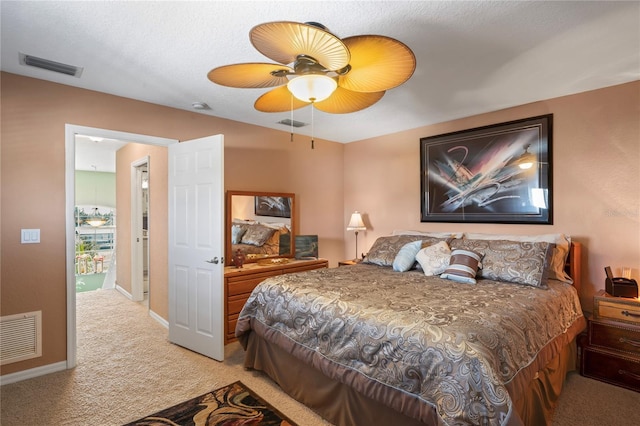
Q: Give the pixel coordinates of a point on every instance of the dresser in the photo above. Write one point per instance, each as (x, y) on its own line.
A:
(611, 349)
(240, 282)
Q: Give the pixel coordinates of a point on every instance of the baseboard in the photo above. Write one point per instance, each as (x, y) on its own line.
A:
(124, 292)
(33, 372)
(158, 318)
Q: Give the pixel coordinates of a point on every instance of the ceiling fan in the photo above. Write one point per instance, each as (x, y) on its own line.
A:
(315, 67)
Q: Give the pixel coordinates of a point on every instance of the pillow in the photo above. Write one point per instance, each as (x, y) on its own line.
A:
(463, 266)
(518, 262)
(558, 258)
(434, 259)
(384, 250)
(257, 235)
(406, 257)
(237, 231)
(429, 234)
(275, 225)
(244, 221)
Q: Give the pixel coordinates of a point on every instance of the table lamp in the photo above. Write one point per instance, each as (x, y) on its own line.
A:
(356, 224)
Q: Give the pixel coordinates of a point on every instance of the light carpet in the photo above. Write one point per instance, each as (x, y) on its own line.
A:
(128, 369)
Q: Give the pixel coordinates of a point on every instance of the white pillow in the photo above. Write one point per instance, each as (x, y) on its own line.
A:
(428, 234)
(275, 225)
(434, 259)
(558, 258)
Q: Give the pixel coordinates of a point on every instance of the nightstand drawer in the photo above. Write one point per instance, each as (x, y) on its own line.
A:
(611, 368)
(615, 336)
(619, 312)
(616, 308)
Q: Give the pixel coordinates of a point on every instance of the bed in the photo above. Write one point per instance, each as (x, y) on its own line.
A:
(260, 239)
(375, 344)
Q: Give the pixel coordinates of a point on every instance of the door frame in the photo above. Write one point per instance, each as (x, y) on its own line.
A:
(137, 273)
(71, 130)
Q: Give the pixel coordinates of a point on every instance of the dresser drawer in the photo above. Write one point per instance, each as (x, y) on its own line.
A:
(243, 285)
(231, 326)
(615, 336)
(613, 368)
(235, 304)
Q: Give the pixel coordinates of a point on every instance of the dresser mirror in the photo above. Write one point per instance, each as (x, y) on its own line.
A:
(260, 224)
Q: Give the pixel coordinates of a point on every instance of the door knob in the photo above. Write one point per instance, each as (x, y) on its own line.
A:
(214, 260)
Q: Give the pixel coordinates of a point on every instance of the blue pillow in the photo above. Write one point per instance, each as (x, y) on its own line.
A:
(406, 257)
(237, 231)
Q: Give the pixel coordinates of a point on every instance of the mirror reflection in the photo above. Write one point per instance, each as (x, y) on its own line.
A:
(260, 225)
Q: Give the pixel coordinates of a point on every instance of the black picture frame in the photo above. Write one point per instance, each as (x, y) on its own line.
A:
(273, 206)
(476, 175)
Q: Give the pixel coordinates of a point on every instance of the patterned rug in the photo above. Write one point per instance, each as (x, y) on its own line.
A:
(232, 405)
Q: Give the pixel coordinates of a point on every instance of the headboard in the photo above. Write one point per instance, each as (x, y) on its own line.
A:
(574, 265)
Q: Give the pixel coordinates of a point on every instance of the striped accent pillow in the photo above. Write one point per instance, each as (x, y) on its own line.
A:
(463, 266)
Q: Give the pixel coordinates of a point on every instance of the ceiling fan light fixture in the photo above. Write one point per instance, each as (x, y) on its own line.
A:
(312, 87)
(526, 160)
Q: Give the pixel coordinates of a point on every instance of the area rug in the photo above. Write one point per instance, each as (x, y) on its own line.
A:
(232, 405)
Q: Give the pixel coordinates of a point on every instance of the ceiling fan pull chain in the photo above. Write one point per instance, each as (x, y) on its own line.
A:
(312, 125)
(291, 97)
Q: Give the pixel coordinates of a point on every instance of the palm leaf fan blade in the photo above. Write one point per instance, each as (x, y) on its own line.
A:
(278, 100)
(378, 63)
(284, 41)
(344, 101)
(249, 75)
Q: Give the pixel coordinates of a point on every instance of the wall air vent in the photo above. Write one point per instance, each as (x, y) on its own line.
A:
(20, 337)
(294, 123)
(46, 64)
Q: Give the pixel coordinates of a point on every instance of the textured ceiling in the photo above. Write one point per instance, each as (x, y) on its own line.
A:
(472, 57)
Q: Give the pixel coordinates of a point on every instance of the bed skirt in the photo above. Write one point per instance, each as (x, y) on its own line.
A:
(342, 405)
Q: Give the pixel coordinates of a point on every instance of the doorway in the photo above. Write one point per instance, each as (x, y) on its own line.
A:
(70, 155)
(140, 212)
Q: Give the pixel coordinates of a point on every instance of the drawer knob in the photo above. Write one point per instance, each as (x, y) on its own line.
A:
(630, 374)
(630, 314)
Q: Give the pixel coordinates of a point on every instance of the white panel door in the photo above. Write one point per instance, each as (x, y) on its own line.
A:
(196, 245)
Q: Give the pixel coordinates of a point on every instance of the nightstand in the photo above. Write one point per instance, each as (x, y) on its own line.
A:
(347, 262)
(611, 350)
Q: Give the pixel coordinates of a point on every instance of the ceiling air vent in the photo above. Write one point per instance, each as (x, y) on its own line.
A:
(46, 64)
(294, 123)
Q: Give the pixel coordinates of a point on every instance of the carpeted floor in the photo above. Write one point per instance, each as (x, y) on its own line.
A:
(127, 369)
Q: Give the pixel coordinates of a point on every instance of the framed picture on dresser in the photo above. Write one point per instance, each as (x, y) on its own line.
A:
(306, 246)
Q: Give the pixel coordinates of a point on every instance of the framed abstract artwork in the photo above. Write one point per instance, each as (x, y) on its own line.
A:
(493, 174)
(273, 206)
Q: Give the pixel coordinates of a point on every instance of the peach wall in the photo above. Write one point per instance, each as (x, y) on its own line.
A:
(158, 232)
(596, 179)
(596, 182)
(34, 113)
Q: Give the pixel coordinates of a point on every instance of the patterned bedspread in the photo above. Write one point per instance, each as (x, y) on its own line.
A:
(456, 347)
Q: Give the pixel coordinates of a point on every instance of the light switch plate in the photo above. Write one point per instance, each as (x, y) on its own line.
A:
(30, 236)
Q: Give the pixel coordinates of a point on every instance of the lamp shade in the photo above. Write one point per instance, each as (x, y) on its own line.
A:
(312, 87)
(356, 223)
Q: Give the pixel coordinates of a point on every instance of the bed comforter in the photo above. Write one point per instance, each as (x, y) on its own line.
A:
(411, 341)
